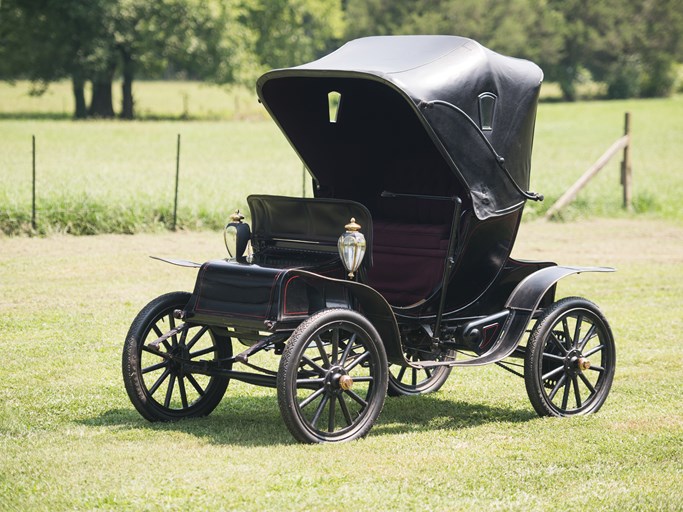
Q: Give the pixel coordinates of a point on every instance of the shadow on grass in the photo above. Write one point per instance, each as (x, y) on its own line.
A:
(256, 421)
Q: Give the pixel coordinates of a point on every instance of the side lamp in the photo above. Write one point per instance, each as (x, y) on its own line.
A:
(236, 236)
(351, 247)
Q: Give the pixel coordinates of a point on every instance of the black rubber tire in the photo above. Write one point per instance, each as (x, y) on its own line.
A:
(149, 376)
(567, 334)
(323, 353)
(406, 381)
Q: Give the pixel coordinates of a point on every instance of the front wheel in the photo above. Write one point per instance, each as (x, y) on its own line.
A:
(158, 382)
(570, 359)
(332, 381)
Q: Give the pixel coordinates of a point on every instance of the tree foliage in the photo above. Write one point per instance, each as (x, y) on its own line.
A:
(632, 46)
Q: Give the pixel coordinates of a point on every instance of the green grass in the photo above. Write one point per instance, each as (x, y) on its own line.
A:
(153, 100)
(71, 440)
(114, 176)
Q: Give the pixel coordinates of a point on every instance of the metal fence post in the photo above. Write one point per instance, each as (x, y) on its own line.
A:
(177, 175)
(33, 191)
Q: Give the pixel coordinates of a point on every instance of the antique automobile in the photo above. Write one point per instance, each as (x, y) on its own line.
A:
(397, 271)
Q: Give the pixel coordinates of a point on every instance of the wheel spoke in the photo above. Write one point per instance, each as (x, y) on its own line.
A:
(594, 350)
(357, 361)
(154, 367)
(313, 365)
(589, 335)
(335, 347)
(401, 373)
(355, 396)
(567, 336)
(577, 331)
(414, 380)
(347, 350)
(597, 368)
(557, 387)
(331, 418)
(553, 357)
(169, 391)
(345, 410)
(588, 384)
(302, 382)
(577, 391)
(321, 349)
(196, 337)
(319, 410)
(157, 353)
(195, 384)
(171, 323)
(558, 343)
(159, 334)
(311, 398)
(183, 394)
(368, 378)
(552, 373)
(565, 396)
(202, 352)
(159, 381)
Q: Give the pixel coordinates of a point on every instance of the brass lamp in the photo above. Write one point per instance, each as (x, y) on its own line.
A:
(236, 236)
(351, 247)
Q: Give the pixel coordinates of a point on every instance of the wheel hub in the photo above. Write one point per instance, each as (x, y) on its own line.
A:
(576, 363)
(337, 380)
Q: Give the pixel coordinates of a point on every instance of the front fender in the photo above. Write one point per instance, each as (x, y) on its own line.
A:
(528, 293)
(372, 305)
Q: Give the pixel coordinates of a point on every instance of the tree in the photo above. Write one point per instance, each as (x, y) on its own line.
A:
(294, 31)
(632, 46)
(45, 40)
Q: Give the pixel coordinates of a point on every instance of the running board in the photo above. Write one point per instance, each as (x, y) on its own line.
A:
(507, 342)
(522, 303)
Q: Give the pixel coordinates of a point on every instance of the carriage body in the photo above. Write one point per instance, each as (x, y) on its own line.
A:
(426, 142)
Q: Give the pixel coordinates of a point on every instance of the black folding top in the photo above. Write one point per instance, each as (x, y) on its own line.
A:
(430, 114)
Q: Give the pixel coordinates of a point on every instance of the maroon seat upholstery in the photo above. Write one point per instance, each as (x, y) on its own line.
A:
(408, 260)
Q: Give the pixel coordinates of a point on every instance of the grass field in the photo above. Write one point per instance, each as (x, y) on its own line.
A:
(71, 440)
(113, 176)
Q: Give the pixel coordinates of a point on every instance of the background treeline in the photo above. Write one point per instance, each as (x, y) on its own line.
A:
(635, 47)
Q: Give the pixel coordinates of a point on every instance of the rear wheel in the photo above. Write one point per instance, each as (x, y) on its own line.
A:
(570, 359)
(158, 383)
(408, 381)
(332, 381)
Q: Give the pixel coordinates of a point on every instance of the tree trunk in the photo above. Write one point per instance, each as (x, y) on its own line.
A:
(101, 103)
(127, 102)
(78, 83)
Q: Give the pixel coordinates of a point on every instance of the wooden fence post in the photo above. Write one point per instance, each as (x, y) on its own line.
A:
(623, 142)
(626, 171)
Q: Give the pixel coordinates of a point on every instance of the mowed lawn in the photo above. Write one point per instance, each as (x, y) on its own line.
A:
(71, 440)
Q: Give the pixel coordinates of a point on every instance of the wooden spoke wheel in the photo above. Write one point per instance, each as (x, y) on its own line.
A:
(157, 380)
(407, 381)
(332, 381)
(570, 359)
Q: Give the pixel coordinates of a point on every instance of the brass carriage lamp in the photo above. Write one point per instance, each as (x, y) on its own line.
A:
(236, 236)
(351, 247)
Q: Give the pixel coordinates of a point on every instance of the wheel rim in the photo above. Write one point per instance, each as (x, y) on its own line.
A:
(164, 376)
(334, 384)
(577, 362)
